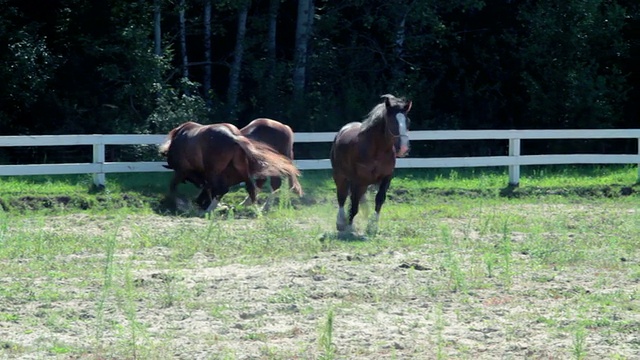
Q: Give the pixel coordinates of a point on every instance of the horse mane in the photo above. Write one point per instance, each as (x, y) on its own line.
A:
(378, 113)
(374, 117)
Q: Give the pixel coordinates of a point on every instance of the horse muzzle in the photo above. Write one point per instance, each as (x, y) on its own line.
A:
(403, 149)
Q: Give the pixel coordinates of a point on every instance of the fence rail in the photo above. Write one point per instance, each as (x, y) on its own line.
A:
(99, 167)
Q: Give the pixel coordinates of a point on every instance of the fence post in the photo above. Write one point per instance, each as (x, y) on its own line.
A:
(638, 179)
(98, 158)
(514, 170)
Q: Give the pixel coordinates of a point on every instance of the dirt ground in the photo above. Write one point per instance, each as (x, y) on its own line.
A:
(385, 305)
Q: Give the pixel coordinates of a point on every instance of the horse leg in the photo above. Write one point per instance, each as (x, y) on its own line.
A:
(240, 165)
(276, 182)
(259, 183)
(177, 178)
(251, 190)
(204, 197)
(214, 178)
(342, 191)
(212, 205)
(357, 191)
(217, 189)
(381, 196)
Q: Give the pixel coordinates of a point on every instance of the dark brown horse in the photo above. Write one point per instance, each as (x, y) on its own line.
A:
(216, 157)
(365, 153)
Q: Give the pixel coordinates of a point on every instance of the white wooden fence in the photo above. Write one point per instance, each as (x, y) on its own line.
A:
(513, 160)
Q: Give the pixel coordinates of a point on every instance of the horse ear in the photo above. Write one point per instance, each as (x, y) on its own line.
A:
(387, 98)
(407, 107)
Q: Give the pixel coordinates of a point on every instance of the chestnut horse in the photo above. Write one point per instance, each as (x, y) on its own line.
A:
(365, 153)
(217, 157)
(280, 137)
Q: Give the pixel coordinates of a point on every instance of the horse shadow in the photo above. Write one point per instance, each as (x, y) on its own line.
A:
(345, 236)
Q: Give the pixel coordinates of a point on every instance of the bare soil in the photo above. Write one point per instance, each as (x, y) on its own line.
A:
(386, 305)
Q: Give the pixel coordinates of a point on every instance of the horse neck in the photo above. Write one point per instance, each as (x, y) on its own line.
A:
(379, 133)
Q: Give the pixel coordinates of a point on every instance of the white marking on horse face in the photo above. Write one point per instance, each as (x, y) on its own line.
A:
(404, 137)
(402, 123)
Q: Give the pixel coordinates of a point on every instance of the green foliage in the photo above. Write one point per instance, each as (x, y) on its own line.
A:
(570, 57)
(79, 66)
(174, 107)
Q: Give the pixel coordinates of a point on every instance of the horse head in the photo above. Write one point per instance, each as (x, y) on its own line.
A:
(397, 122)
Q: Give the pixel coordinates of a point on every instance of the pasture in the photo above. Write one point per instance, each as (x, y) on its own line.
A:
(462, 267)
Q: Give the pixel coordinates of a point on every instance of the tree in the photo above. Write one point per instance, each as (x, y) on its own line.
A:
(77, 66)
(30, 65)
(303, 33)
(569, 60)
(236, 66)
(272, 32)
(206, 81)
(157, 28)
(183, 39)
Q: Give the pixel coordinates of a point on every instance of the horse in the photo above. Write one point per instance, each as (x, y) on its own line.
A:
(216, 157)
(275, 134)
(280, 137)
(364, 153)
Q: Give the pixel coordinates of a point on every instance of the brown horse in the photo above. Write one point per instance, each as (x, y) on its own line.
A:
(365, 153)
(280, 137)
(217, 157)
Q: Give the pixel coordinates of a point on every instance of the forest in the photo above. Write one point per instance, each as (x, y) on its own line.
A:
(144, 66)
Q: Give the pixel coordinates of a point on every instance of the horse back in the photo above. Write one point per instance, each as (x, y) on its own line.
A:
(193, 144)
(344, 146)
(348, 134)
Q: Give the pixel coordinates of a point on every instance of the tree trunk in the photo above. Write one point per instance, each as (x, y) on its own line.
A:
(303, 32)
(157, 31)
(398, 51)
(206, 83)
(271, 54)
(236, 66)
(183, 40)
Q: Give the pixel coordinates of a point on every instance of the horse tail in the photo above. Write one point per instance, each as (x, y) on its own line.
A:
(295, 185)
(293, 181)
(264, 161)
(164, 147)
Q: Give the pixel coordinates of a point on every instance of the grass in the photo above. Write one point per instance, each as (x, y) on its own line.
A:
(60, 193)
(456, 264)
(327, 348)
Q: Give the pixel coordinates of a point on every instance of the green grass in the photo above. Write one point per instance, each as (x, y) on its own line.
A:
(318, 183)
(455, 257)
(146, 193)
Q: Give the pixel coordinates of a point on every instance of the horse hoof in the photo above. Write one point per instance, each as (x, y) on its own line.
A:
(372, 229)
(345, 228)
(372, 226)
